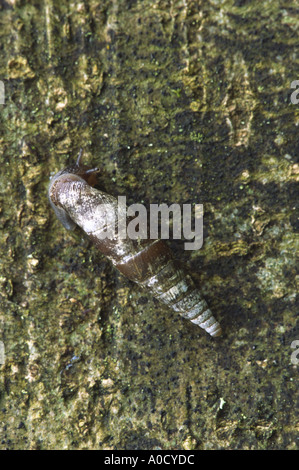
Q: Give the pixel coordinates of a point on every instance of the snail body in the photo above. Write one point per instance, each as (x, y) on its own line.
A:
(149, 263)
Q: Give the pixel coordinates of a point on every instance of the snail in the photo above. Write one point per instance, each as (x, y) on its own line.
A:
(150, 263)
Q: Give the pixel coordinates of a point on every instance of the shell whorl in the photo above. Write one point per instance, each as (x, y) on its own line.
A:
(181, 294)
(149, 263)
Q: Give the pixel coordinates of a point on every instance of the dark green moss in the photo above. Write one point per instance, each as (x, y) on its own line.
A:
(190, 105)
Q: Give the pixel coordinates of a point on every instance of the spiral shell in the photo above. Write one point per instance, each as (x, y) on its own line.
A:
(149, 263)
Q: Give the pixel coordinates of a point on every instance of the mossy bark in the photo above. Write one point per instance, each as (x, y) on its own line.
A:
(186, 102)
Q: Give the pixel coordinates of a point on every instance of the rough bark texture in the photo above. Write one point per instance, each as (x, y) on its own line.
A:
(182, 101)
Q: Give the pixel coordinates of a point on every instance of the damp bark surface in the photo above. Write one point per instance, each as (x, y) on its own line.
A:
(184, 102)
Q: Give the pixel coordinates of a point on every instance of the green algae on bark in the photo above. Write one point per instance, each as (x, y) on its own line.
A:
(187, 102)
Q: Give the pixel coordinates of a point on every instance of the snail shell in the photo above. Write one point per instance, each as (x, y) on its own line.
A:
(149, 263)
